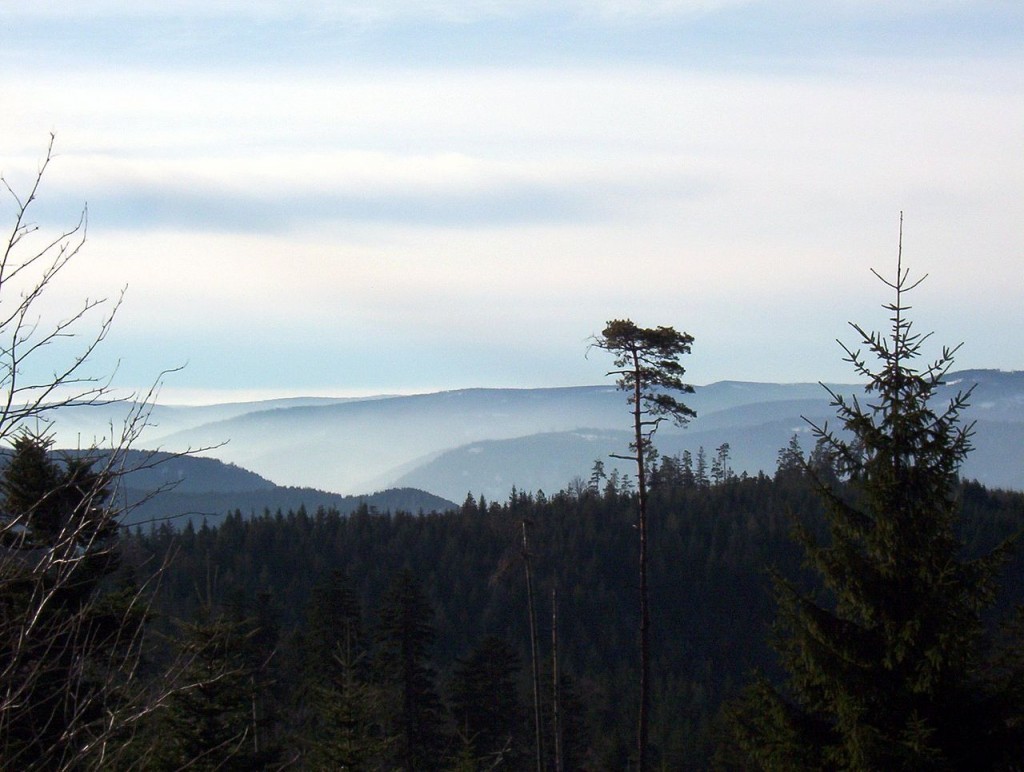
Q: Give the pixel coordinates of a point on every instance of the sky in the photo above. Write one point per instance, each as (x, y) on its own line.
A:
(397, 197)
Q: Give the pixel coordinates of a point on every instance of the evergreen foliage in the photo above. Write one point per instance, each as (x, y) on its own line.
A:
(708, 588)
(334, 628)
(405, 636)
(888, 661)
(209, 722)
(790, 460)
(68, 634)
(485, 704)
(648, 369)
(345, 728)
(31, 487)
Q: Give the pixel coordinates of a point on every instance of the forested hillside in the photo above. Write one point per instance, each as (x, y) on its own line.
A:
(711, 604)
(155, 486)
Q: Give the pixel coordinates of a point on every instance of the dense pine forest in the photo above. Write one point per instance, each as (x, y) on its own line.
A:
(305, 602)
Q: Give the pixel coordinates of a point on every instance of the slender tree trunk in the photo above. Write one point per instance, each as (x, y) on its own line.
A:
(539, 735)
(555, 693)
(647, 366)
(645, 613)
(255, 721)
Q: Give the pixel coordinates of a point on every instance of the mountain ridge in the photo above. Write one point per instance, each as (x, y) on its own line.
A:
(158, 486)
(352, 445)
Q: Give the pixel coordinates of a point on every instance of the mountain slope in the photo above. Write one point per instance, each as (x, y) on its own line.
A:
(155, 487)
(449, 442)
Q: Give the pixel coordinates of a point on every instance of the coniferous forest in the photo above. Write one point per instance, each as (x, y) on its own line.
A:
(386, 641)
(858, 607)
(320, 592)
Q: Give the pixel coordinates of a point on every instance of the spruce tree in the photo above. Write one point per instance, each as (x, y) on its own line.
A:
(887, 659)
(687, 479)
(345, 728)
(65, 633)
(405, 636)
(209, 721)
(485, 704)
(30, 486)
(334, 620)
(790, 462)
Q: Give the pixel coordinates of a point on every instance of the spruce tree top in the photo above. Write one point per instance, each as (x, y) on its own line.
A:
(888, 659)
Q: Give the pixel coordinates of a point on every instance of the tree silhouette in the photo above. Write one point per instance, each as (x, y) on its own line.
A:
(887, 662)
(405, 636)
(648, 369)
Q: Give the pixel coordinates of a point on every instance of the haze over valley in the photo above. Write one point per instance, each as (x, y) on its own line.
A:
(485, 441)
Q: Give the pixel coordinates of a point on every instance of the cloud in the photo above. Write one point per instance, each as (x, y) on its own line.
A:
(371, 11)
(161, 207)
(463, 200)
(288, 193)
(465, 11)
(697, 34)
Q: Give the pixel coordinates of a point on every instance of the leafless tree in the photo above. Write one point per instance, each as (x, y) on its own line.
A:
(70, 642)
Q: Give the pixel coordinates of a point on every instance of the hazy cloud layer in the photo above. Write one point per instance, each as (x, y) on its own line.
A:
(706, 34)
(404, 195)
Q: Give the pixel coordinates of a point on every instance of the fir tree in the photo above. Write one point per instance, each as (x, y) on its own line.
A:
(687, 480)
(405, 636)
(209, 722)
(597, 474)
(30, 486)
(345, 730)
(334, 621)
(65, 634)
(886, 662)
(789, 464)
(485, 703)
(700, 472)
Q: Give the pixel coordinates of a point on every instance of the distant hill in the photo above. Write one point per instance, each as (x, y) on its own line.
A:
(212, 506)
(160, 486)
(487, 440)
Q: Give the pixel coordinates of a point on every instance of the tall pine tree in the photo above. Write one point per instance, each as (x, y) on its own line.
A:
(648, 369)
(887, 660)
